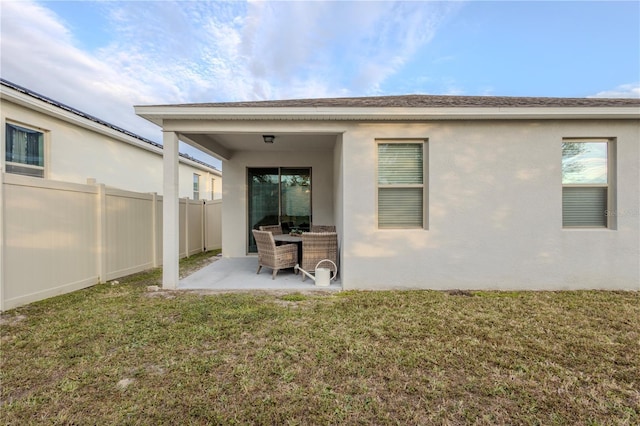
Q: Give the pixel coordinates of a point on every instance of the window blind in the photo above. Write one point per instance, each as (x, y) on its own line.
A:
(24, 146)
(400, 185)
(400, 207)
(400, 163)
(584, 207)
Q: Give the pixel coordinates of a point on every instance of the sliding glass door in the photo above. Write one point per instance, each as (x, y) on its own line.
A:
(278, 195)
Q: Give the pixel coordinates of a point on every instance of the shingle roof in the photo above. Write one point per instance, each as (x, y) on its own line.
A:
(427, 101)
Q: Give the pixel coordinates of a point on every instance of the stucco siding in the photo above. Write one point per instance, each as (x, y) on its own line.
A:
(75, 154)
(494, 210)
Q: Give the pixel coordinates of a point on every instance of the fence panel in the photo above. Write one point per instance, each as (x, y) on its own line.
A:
(129, 232)
(213, 225)
(50, 233)
(182, 227)
(158, 231)
(59, 237)
(195, 220)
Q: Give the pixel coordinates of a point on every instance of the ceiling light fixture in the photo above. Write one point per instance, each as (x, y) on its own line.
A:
(268, 138)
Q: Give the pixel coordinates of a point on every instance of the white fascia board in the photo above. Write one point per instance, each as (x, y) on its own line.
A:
(158, 114)
(69, 117)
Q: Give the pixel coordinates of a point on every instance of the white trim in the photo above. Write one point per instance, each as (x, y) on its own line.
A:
(157, 114)
(611, 222)
(424, 185)
(46, 147)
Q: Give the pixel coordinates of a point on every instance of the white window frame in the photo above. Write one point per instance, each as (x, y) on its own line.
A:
(610, 219)
(45, 150)
(424, 185)
(196, 186)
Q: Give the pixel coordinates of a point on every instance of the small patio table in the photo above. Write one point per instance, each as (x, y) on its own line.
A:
(286, 238)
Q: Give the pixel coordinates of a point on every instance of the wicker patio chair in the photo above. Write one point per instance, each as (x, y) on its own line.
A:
(274, 229)
(323, 228)
(272, 256)
(317, 246)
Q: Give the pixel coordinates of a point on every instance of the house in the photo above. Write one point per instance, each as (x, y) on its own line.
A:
(430, 192)
(44, 138)
(81, 200)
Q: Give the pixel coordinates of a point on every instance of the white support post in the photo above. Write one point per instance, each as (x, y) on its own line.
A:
(170, 213)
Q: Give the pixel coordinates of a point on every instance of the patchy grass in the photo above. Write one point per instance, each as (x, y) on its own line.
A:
(112, 355)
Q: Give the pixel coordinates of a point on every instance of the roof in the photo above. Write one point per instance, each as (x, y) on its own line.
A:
(427, 101)
(89, 117)
(399, 108)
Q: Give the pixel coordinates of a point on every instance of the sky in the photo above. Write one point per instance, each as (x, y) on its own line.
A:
(104, 57)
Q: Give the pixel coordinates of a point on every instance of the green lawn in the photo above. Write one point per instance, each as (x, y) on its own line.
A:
(120, 354)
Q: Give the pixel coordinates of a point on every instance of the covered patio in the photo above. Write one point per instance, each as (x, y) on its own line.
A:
(239, 274)
(255, 169)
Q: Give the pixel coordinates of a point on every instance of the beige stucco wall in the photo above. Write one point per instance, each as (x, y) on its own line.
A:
(494, 207)
(75, 154)
(494, 211)
(234, 216)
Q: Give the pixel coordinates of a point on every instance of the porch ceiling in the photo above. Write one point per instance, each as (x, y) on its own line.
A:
(224, 145)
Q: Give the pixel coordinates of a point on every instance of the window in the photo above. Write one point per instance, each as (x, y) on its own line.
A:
(196, 186)
(586, 179)
(213, 188)
(401, 188)
(24, 151)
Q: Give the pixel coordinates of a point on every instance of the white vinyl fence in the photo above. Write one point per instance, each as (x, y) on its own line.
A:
(57, 237)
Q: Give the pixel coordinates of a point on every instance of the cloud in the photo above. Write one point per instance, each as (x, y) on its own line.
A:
(623, 91)
(266, 50)
(38, 52)
(166, 52)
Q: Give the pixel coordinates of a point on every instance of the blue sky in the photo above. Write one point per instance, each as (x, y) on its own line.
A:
(104, 57)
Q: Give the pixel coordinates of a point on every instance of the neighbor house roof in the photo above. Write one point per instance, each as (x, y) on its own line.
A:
(123, 134)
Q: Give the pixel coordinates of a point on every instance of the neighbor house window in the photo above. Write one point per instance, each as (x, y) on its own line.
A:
(24, 151)
(401, 184)
(196, 186)
(213, 189)
(586, 182)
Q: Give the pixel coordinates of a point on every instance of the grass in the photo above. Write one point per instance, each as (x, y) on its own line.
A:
(120, 354)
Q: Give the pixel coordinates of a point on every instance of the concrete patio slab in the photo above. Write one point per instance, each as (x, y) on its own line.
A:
(239, 274)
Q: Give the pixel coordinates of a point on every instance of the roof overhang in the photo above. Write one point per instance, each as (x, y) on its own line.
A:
(158, 114)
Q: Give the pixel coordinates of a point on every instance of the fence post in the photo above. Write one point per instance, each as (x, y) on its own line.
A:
(204, 225)
(186, 227)
(154, 229)
(102, 232)
(2, 216)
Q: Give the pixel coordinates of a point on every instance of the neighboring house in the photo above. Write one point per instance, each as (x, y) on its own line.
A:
(432, 192)
(44, 138)
(81, 201)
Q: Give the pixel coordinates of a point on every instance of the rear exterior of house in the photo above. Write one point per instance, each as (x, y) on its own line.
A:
(437, 192)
